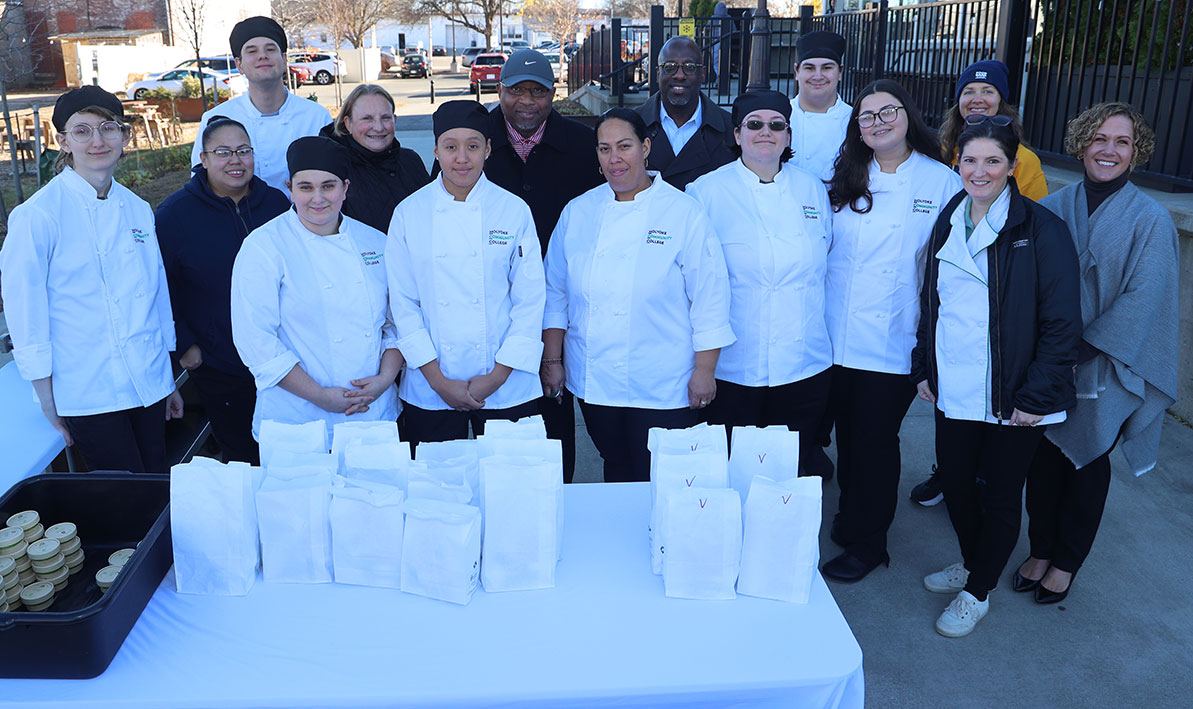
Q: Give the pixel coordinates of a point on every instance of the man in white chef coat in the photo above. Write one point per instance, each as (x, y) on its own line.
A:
(273, 115)
(818, 114)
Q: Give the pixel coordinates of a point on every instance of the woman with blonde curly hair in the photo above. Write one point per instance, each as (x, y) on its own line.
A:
(1126, 368)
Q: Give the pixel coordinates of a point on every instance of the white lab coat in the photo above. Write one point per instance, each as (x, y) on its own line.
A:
(964, 376)
(86, 299)
(318, 301)
(816, 138)
(876, 265)
(775, 238)
(466, 288)
(639, 287)
(270, 135)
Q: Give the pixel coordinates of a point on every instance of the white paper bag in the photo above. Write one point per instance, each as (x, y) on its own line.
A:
(213, 524)
(294, 518)
(441, 550)
(772, 452)
(387, 463)
(545, 449)
(697, 439)
(704, 544)
(523, 497)
(781, 546)
(675, 472)
(445, 458)
(364, 432)
(366, 533)
(525, 427)
(443, 481)
(308, 437)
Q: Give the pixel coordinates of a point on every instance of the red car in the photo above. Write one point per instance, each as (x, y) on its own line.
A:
(299, 75)
(486, 71)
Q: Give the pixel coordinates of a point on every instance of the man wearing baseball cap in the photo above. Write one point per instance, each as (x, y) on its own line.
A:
(547, 160)
(818, 115)
(273, 116)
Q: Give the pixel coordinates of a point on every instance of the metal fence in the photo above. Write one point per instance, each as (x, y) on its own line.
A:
(612, 56)
(1139, 52)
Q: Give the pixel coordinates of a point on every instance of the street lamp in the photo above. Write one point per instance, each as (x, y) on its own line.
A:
(760, 50)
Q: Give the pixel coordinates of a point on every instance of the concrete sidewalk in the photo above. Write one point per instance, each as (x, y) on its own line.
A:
(1123, 638)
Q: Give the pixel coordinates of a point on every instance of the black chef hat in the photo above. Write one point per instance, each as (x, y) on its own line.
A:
(751, 101)
(258, 26)
(820, 45)
(314, 152)
(460, 114)
(75, 100)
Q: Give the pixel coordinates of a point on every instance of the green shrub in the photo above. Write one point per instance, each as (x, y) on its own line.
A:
(190, 89)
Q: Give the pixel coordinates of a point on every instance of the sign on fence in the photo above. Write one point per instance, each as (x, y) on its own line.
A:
(687, 27)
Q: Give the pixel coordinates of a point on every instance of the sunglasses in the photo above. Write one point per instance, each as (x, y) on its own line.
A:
(776, 125)
(977, 119)
(689, 68)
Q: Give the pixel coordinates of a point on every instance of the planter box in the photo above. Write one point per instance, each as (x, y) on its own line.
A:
(186, 109)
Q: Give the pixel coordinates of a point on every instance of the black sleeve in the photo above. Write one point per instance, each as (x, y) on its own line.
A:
(919, 353)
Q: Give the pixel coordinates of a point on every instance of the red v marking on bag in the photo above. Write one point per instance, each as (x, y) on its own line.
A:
(694, 446)
(689, 482)
(702, 502)
(762, 457)
(785, 499)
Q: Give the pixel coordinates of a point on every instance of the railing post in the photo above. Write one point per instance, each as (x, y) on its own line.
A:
(760, 50)
(1011, 44)
(805, 18)
(747, 21)
(615, 62)
(880, 41)
(656, 43)
(724, 53)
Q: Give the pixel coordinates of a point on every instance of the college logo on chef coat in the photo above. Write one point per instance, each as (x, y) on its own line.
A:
(138, 236)
(657, 236)
(923, 206)
(371, 258)
(811, 213)
(499, 237)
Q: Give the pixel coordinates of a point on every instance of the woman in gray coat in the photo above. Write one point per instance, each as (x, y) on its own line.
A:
(1126, 371)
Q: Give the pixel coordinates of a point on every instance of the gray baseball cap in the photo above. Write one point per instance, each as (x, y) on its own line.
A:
(527, 65)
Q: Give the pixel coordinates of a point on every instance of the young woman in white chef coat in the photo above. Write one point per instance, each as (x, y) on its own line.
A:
(466, 289)
(86, 298)
(637, 303)
(774, 223)
(310, 306)
(888, 187)
(1000, 321)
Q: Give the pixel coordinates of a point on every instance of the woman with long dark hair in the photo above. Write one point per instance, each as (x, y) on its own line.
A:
(888, 186)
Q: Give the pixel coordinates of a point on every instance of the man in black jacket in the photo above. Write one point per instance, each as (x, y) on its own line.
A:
(689, 134)
(547, 160)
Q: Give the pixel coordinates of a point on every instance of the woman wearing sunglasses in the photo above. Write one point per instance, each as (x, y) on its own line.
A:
(773, 223)
(1000, 320)
(200, 229)
(86, 299)
(888, 187)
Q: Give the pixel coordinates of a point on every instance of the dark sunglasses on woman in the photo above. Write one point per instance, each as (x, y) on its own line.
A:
(977, 119)
(776, 125)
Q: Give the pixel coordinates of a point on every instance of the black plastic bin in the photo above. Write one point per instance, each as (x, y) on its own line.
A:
(77, 637)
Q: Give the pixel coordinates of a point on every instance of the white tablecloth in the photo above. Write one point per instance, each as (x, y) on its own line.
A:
(606, 635)
(28, 443)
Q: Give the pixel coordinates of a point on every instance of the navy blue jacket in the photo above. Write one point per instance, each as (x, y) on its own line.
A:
(200, 235)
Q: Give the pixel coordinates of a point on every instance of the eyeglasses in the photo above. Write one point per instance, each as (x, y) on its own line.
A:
(776, 125)
(689, 68)
(225, 153)
(886, 114)
(534, 91)
(108, 130)
(977, 119)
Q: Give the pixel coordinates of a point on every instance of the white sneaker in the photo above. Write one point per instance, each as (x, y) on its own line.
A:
(962, 615)
(950, 579)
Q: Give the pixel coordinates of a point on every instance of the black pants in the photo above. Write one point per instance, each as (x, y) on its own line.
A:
(131, 439)
(983, 467)
(228, 400)
(619, 434)
(1064, 506)
(436, 425)
(799, 406)
(869, 408)
(560, 420)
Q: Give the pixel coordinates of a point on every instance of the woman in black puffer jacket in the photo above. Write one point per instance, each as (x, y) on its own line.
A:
(383, 173)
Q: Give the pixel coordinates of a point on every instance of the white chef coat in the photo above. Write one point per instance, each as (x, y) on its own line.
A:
(318, 301)
(964, 375)
(639, 287)
(677, 135)
(816, 138)
(466, 288)
(270, 135)
(775, 237)
(86, 298)
(876, 265)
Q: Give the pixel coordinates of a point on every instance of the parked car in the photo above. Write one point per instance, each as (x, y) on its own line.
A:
(439, 51)
(299, 75)
(225, 64)
(471, 53)
(514, 45)
(390, 61)
(323, 65)
(486, 71)
(171, 80)
(414, 65)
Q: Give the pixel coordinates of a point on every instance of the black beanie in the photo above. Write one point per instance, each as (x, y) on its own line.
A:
(460, 114)
(315, 152)
(75, 100)
(820, 45)
(751, 101)
(259, 26)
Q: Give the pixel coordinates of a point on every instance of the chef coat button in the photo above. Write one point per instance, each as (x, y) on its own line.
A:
(895, 226)
(327, 285)
(527, 188)
(867, 221)
(338, 339)
(128, 250)
(368, 335)
(474, 253)
(448, 348)
(443, 303)
(140, 294)
(475, 301)
(476, 347)
(392, 173)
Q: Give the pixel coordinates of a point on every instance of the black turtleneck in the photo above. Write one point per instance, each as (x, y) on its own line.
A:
(1098, 192)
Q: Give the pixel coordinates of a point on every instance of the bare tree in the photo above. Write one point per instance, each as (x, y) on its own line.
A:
(192, 15)
(476, 15)
(558, 18)
(348, 21)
